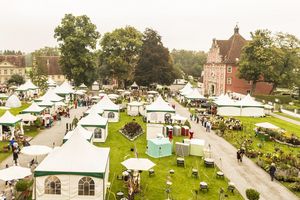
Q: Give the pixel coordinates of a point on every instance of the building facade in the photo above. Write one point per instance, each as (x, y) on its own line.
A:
(11, 64)
(221, 68)
(50, 65)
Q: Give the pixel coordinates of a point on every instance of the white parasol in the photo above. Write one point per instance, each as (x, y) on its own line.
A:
(143, 164)
(267, 125)
(36, 150)
(14, 173)
(178, 118)
(27, 117)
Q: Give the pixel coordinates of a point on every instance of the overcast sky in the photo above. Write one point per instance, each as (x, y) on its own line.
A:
(27, 25)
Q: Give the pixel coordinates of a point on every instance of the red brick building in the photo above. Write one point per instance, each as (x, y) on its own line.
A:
(220, 70)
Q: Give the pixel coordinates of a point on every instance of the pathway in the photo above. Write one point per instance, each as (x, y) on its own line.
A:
(46, 137)
(245, 175)
(286, 119)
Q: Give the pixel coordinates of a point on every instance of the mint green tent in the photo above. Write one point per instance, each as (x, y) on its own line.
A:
(159, 147)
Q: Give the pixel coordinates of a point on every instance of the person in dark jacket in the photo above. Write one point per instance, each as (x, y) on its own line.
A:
(272, 171)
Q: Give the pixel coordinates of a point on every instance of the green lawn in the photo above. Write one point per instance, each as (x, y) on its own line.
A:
(184, 185)
(288, 116)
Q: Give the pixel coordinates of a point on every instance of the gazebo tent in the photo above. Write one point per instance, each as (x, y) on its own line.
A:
(111, 110)
(157, 111)
(194, 95)
(95, 86)
(34, 109)
(159, 147)
(13, 102)
(88, 135)
(97, 124)
(70, 171)
(9, 120)
(134, 108)
(28, 85)
(227, 107)
(51, 83)
(250, 107)
(64, 89)
(95, 109)
(186, 87)
(50, 95)
(82, 86)
(134, 86)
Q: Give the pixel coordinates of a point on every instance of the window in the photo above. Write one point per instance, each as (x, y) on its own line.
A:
(52, 185)
(58, 77)
(98, 133)
(229, 69)
(111, 115)
(11, 71)
(229, 81)
(5, 71)
(86, 186)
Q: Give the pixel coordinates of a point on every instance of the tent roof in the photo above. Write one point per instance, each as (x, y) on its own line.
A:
(51, 96)
(76, 156)
(82, 85)
(64, 88)
(33, 108)
(46, 103)
(160, 141)
(195, 94)
(9, 119)
(94, 120)
(186, 87)
(13, 102)
(85, 133)
(106, 104)
(51, 82)
(159, 105)
(225, 100)
(28, 85)
(248, 101)
(135, 103)
(95, 109)
(134, 85)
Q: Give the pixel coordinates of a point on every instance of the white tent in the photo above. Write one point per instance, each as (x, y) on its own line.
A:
(134, 86)
(157, 111)
(113, 96)
(82, 86)
(51, 83)
(95, 109)
(14, 173)
(51, 96)
(9, 120)
(73, 169)
(28, 85)
(34, 108)
(194, 95)
(46, 103)
(250, 107)
(27, 117)
(186, 91)
(186, 87)
(13, 102)
(88, 135)
(227, 107)
(267, 125)
(134, 108)
(64, 89)
(97, 124)
(111, 110)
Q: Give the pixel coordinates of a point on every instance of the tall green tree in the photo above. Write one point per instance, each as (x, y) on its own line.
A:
(190, 62)
(154, 64)
(119, 53)
(285, 59)
(38, 75)
(77, 37)
(16, 79)
(255, 57)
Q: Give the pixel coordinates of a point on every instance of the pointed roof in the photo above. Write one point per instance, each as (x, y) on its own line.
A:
(50, 95)
(93, 120)
(248, 101)
(195, 94)
(107, 105)
(159, 105)
(187, 86)
(82, 85)
(64, 88)
(89, 160)
(95, 109)
(46, 103)
(85, 133)
(51, 82)
(134, 84)
(34, 108)
(13, 102)
(28, 85)
(8, 119)
(225, 100)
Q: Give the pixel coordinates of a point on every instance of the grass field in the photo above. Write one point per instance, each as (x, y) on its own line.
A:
(153, 188)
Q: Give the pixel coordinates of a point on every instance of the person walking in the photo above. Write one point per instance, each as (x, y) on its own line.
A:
(238, 155)
(15, 155)
(272, 171)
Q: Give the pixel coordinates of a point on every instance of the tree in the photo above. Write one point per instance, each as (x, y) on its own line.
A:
(154, 64)
(255, 57)
(285, 59)
(78, 37)
(119, 54)
(38, 75)
(16, 79)
(190, 62)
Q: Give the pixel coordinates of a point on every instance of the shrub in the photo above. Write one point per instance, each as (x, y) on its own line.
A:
(23, 185)
(252, 194)
(295, 186)
(222, 127)
(38, 122)
(187, 123)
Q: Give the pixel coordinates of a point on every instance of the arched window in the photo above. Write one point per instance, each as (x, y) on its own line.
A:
(52, 185)
(86, 186)
(111, 115)
(98, 133)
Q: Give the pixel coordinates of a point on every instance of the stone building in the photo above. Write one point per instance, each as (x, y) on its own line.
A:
(11, 64)
(221, 68)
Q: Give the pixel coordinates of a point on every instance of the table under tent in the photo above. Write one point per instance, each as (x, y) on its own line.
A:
(9, 122)
(61, 175)
(159, 147)
(159, 111)
(97, 124)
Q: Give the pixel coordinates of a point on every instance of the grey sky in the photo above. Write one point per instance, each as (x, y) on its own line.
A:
(187, 24)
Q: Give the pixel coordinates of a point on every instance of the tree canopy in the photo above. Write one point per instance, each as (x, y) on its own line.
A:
(190, 62)
(119, 53)
(16, 79)
(78, 38)
(154, 64)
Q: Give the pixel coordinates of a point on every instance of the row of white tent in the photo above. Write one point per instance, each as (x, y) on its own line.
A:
(191, 93)
(244, 107)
